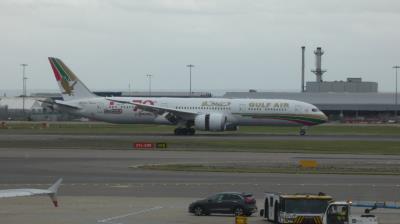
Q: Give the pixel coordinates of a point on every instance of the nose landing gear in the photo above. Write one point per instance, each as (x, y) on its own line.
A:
(303, 131)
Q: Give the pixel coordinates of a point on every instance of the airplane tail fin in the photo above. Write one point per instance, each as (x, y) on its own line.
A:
(53, 191)
(71, 87)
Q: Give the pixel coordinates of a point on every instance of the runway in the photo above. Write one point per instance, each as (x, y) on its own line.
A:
(108, 172)
(102, 183)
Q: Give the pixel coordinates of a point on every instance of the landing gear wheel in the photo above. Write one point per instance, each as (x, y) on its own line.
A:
(178, 131)
(303, 131)
(238, 211)
(191, 131)
(198, 211)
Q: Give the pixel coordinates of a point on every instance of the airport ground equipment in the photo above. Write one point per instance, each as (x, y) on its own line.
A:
(339, 212)
(295, 208)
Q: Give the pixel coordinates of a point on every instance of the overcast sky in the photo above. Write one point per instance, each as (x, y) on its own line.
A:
(234, 44)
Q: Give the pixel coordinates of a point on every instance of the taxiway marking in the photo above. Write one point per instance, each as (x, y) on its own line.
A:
(128, 214)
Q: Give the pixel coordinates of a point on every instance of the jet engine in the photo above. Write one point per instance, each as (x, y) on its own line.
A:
(210, 122)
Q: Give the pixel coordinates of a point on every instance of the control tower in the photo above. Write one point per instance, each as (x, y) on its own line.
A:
(318, 70)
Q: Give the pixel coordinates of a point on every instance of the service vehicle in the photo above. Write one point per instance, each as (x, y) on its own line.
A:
(227, 203)
(339, 212)
(295, 208)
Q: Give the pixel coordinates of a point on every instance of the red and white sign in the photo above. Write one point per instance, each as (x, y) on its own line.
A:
(143, 145)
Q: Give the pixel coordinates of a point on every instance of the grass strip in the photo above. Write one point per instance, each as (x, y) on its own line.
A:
(259, 146)
(286, 170)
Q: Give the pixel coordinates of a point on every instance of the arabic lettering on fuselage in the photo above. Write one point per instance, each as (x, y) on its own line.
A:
(215, 103)
(113, 111)
(269, 105)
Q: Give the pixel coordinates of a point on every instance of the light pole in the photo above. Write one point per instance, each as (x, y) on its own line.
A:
(23, 87)
(395, 97)
(149, 77)
(190, 66)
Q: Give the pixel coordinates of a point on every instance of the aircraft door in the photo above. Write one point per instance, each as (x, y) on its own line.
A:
(242, 108)
(100, 108)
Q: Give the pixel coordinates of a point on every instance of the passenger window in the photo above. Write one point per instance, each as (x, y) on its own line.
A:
(230, 197)
(235, 197)
(214, 197)
(226, 197)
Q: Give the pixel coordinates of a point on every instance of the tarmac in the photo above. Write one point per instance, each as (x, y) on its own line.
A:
(124, 210)
(100, 186)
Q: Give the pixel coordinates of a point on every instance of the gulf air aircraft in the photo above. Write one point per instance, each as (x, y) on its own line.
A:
(187, 114)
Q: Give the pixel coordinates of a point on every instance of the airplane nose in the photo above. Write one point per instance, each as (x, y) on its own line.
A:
(324, 117)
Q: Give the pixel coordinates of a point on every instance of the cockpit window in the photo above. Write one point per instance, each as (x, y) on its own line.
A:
(314, 110)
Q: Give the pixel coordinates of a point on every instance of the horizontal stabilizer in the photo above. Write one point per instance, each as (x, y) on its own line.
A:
(66, 104)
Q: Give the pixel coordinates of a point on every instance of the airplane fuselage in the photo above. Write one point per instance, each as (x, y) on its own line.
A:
(237, 111)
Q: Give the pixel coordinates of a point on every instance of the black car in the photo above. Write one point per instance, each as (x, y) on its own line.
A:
(227, 203)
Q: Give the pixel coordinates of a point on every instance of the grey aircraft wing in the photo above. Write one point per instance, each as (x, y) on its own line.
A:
(51, 192)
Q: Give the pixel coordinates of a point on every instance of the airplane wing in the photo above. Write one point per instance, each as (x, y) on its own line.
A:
(65, 104)
(51, 192)
(165, 111)
(60, 103)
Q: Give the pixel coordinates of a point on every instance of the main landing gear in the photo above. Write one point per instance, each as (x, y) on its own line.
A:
(303, 131)
(184, 131)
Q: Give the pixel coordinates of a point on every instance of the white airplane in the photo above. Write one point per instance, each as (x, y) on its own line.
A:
(51, 192)
(188, 114)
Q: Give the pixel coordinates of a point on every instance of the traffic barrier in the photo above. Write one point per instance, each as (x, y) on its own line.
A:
(240, 220)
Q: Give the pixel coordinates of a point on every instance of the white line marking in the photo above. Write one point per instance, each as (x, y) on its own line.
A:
(120, 186)
(129, 214)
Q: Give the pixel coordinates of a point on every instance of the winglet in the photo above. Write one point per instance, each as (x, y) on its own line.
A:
(53, 191)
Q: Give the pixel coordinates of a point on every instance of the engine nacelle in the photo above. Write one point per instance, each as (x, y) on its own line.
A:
(210, 122)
